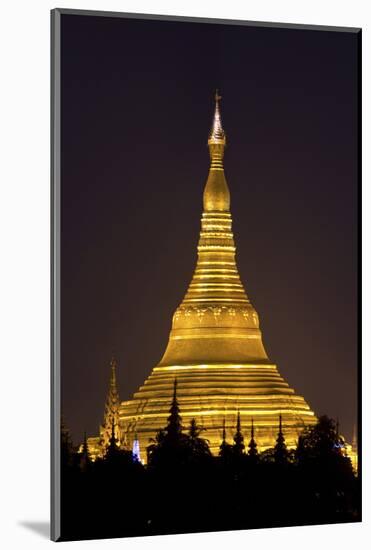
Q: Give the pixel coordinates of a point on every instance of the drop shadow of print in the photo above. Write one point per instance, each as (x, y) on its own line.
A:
(41, 528)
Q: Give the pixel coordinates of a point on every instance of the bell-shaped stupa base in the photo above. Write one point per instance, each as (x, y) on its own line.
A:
(213, 394)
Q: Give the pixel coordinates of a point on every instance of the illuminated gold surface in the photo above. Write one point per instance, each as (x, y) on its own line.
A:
(215, 348)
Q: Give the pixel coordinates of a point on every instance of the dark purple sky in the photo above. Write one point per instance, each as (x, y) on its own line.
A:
(137, 104)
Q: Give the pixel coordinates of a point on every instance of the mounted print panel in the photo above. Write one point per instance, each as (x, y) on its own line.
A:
(205, 275)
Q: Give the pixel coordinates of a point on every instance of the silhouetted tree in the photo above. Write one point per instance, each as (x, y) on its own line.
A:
(68, 452)
(199, 447)
(319, 442)
(118, 496)
(326, 472)
(267, 456)
(85, 458)
(158, 440)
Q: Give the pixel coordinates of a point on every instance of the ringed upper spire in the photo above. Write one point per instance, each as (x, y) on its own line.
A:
(217, 134)
(216, 192)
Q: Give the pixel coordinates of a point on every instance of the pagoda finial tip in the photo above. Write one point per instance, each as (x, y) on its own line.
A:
(217, 134)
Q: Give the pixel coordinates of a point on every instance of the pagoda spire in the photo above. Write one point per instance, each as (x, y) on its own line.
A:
(253, 451)
(215, 321)
(280, 450)
(216, 299)
(216, 193)
(113, 383)
(217, 134)
(174, 421)
(111, 413)
(239, 445)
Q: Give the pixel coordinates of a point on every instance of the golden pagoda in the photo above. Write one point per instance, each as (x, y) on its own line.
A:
(215, 349)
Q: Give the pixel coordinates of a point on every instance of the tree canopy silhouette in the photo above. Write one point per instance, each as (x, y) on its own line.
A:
(117, 496)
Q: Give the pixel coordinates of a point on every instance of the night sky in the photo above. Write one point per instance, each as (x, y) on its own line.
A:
(137, 105)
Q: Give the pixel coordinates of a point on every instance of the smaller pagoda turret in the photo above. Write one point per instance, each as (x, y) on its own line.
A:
(111, 427)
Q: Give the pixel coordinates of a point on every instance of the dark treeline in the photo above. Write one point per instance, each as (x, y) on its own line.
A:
(184, 488)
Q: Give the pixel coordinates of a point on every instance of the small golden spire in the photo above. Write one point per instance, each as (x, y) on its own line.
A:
(217, 134)
(216, 192)
(113, 372)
